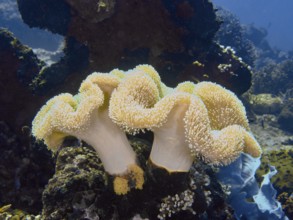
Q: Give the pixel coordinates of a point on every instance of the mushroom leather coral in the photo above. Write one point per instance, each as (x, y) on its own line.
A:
(85, 116)
(189, 121)
(224, 109)
(185, 125)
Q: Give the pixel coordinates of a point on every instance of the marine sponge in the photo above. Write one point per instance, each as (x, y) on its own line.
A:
(85, 116)
(181, 122)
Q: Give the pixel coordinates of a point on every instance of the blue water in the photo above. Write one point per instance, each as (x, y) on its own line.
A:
(274, 15)
(10, 18)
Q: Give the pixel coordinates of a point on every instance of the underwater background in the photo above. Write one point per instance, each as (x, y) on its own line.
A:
(48, 47)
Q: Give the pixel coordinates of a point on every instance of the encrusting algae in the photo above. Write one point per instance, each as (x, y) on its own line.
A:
(192, 120)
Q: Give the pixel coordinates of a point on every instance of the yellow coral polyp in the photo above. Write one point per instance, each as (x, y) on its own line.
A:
(134, 175)
(137, 175)
(120, 185)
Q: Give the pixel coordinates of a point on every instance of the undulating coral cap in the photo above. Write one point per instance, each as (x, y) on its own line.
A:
(129, 102)
(106, 82)
(153, 74)
(223, 106)
(186, 86)
(216, 126)
(66, 114)
(228, 123)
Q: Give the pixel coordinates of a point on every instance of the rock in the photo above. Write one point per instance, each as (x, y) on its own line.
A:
(18, 66)
(80, 189)
(169, 36)
(274, 78)
(25, 168)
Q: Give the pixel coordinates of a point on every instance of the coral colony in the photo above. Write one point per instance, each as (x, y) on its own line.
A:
(189, 122)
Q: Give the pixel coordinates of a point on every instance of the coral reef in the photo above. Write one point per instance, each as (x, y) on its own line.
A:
(25, 169)
(7, 213)
(25, 166)
(81, 189)
(191, 120)
(18, 66)
(174, 204)
(27, 65)
(266, 55)
(285, 118)
(166, 180)
(185, 124)
(85, 116)
(36, 15)
(115, 35)
(269, 134)
(273, 87)
(79, 177)
(102, 9)
(170, 177)
(287, 203)
(265, 103)
(274, 78)
(163, 180)
(232, 33)
(282, 159)
(74, 60)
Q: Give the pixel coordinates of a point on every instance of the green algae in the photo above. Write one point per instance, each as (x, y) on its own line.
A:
(283, 161)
